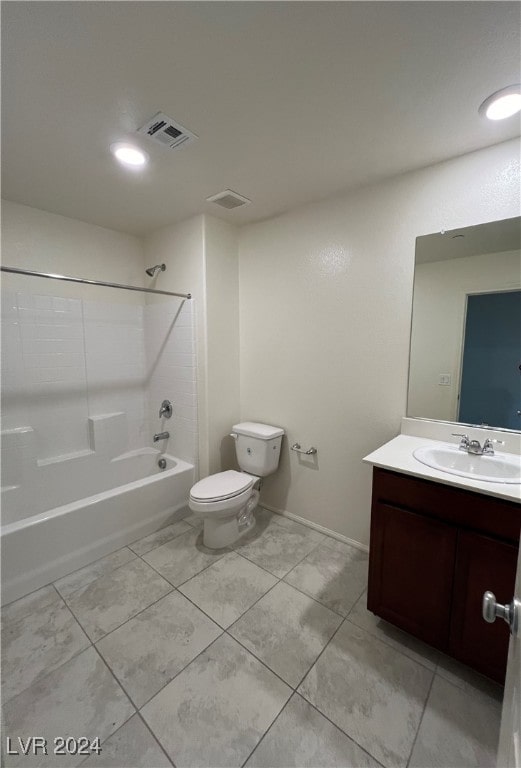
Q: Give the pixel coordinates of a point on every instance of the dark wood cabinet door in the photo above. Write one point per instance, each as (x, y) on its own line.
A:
(482, 564)
(411, 571)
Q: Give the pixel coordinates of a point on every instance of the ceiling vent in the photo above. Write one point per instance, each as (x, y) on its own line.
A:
(167, 132)
(228, 199)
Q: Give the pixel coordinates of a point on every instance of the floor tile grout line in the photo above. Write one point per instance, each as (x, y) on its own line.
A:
(180, 671)
(279, 579)
(421, 720)
(113, 676)
(337, 630)
(264, 664)
(129, 547)
(38, 680)
(292, 567)
(125, 546)
(322, 713)
(227, 632)
(389, 645)
(474, 689)
(249, 560)
(226, 629)
(338, 728)
(174, 589)
(149, 729)
(311, 597)
(74, 655)
(175, 536)
(482, 679)
(53, 582)
(113, 570)
(269, 727)
(8, 621)
(134, 714)
(106, 634)
(33, 592)
(296, 691)
(191, 577)
(136, 708)
(434, 663)
(316, 707)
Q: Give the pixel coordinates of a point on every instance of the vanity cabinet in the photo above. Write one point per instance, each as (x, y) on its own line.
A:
(435, 549)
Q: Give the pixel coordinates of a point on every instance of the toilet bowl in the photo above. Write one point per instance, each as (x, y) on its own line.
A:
(226, 501)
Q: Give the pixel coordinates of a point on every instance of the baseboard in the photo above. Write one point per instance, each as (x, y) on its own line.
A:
(317, 527)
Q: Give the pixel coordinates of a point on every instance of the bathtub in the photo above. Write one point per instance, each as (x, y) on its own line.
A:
(39, 549)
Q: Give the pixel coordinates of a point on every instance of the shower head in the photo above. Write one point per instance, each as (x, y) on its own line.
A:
(153, 270)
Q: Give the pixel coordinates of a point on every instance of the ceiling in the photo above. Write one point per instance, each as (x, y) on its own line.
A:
(291, 101)
(491, 237)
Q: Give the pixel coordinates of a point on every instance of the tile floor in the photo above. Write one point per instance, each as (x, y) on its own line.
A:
(262, 656)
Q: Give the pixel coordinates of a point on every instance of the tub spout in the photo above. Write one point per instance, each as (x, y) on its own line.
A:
(161, 436)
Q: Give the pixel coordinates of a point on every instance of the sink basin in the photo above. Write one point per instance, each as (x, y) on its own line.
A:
(500, 468)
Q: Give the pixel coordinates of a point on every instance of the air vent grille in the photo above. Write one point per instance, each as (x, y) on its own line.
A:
(228, 199)
(167, 132)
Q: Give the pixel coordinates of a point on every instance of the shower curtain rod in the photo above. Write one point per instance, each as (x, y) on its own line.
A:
(17, 271)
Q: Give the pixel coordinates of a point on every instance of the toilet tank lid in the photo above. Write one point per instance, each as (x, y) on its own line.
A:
(254, 429)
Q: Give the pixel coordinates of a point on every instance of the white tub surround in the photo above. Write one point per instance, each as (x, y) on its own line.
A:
(397, 455)
(51, 544)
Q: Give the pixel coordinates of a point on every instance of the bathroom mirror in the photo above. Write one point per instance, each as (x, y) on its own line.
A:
(465, 357)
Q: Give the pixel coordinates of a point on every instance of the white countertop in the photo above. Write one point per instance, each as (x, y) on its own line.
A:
(396, 455)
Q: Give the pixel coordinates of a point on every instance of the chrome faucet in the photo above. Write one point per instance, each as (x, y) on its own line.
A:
(474, 446)
(161, 436)
(165, 409)
(488, 447)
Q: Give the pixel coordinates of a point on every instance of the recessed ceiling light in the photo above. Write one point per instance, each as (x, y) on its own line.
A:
(130, 156)
(503, 103)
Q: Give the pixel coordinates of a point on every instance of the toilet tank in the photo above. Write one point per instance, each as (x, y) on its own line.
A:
(257, 447)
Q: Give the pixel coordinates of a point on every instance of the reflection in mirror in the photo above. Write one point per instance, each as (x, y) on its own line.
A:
(465, 361)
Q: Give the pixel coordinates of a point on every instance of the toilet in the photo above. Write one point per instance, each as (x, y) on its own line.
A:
(226, 501)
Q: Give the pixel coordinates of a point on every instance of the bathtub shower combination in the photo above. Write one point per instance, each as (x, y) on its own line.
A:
(84, 385)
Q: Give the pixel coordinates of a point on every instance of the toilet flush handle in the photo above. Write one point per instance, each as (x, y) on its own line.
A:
(234, 435)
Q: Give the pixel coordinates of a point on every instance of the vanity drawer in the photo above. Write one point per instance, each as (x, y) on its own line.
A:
(486, 514)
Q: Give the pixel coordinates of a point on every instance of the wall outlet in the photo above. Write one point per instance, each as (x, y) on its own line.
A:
(444, 379)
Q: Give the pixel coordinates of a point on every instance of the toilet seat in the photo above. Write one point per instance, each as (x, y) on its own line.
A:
(221, 487)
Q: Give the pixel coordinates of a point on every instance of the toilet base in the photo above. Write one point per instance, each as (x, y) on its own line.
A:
(220, 532)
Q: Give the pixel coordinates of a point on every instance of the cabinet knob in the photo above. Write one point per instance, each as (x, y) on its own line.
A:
(492, 610)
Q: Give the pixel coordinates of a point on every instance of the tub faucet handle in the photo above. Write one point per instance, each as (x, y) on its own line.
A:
(166, 409)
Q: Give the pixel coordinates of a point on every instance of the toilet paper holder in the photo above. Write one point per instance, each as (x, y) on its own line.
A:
(298, 449)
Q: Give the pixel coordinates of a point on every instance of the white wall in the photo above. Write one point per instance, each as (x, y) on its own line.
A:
(325, 310)
(222, 307)
(201, 256)
(69, 351)
(170, 355)
(181, 248)
(440, 291)
(45, 242)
